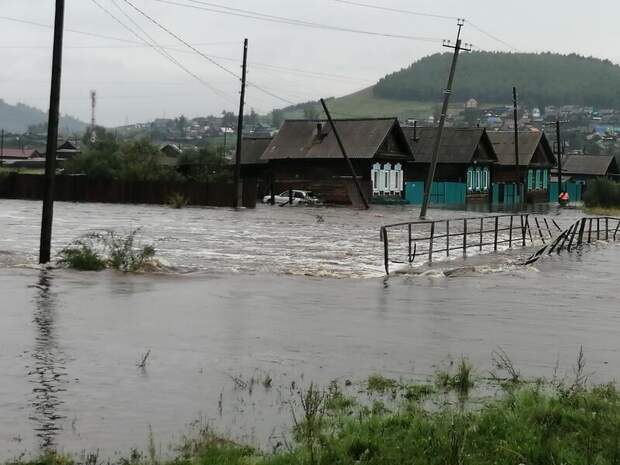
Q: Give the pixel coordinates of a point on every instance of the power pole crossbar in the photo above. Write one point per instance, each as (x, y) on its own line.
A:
(238, 183)
(442, 121)
(52, 137)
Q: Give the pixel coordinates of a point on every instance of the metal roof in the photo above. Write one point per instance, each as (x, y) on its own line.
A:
(458, 145)
(504, 146)
(362, 138)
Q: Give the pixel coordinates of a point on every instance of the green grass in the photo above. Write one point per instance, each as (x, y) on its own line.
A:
(603, 194)
(365, 104)
(530, 425)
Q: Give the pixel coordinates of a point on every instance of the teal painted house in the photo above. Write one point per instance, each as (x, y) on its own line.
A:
(465, 167)
(531, 177)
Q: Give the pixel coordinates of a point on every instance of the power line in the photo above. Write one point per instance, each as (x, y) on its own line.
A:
(427, 15)
(207, 57)
(220, 9)
(159, 50)
(396, 10)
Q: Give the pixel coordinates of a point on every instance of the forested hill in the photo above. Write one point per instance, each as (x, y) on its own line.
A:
(17, 119)
(542, 79)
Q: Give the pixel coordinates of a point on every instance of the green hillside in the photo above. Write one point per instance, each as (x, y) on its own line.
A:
(542, 79)
(18, 118)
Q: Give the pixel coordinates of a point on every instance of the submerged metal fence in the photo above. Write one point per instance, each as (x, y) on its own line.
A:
(426, 241)
(583, 231)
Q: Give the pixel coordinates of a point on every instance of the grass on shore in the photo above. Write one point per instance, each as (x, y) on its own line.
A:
(539, 422)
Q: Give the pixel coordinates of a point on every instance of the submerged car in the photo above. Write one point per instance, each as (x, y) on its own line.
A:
(299, 198)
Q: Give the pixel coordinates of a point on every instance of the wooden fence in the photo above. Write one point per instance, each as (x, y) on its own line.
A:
(82, 189)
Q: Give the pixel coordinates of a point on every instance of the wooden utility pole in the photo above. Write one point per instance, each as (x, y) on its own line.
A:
(515, 102)
(558, 135)
(238, 182)
(442, 120)
(52, 137)
(360, 191)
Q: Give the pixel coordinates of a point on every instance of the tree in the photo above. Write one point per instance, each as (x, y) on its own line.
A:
(252, 118)
(229, 120)
(311, 111)
(277, 118)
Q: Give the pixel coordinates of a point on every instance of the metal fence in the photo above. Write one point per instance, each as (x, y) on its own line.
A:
(583, 231)
(426, 241)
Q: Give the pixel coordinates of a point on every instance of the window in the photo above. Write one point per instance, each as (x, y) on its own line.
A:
(530, 180)
(478, 180)
(485, 179)
(538, 179)
(545, 179)
(470, 179)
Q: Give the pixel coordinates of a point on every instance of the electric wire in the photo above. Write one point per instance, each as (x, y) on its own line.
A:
(207, 57)
(220, 9)
(427, 15)
(160, 51)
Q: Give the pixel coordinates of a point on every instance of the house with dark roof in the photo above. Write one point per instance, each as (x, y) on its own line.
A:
(305, 155)
(581, 168)
(17, 154)
(536, 159)
(252, 164)
(466, 155)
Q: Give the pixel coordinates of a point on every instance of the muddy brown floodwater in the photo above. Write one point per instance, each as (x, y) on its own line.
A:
(270, 293)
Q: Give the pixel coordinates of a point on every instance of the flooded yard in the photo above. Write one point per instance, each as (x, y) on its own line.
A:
(253, 298)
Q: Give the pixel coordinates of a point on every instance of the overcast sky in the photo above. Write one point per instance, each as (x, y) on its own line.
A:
(135, 83)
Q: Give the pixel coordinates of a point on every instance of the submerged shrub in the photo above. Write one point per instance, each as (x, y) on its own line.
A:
(602, 192)
(177, 200)
(96, 251)
(81, 256)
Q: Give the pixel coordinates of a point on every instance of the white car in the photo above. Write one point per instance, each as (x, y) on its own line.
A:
(299, 198)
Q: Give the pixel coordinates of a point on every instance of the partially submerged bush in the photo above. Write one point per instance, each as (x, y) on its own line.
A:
(602, 192)
(177, 200)
(96, 251)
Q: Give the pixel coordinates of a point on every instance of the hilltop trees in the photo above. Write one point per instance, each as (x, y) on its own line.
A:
(542, 79)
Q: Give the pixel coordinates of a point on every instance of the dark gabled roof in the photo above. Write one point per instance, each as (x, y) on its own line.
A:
(252, 150)
(362, 138)
(458, 145)
(589, 165)
(504, 146)
(68, 146)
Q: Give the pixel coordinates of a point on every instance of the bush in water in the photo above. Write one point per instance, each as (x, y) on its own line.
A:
(96, 251)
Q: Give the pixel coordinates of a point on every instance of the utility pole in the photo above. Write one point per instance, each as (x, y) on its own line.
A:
(559, 149)
(238, 182)
(442, 121)
(515, 102)
(1, 146)
(360, 191)
(52, 137)
(558, 135)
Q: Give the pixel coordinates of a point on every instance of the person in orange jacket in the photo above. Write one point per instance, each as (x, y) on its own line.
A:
(564, 198)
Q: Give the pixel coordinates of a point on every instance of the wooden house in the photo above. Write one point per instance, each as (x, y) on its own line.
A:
(466, 156)
(536, 159)
(252, 164)
(305, 155)
(581, 168)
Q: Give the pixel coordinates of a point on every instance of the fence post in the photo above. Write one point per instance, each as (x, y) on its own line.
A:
(447, 238)
(606, 228)
(616, 231)
(386, 251)
(523, 230)
(582, 228)
(590, 232)
(510, 232)
(465, 237)
(432, 239)
(409, 230)
(481, 228)
(496, 226)
(548, 229)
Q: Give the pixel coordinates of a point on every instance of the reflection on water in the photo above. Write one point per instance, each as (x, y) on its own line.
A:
(48, 371)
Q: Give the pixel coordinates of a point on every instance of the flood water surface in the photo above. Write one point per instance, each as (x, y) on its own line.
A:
(71, 343)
